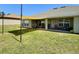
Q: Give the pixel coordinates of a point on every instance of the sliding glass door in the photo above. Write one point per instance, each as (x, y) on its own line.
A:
(64, 24)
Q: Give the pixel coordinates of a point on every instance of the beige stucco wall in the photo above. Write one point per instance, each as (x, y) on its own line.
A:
(10, 21)
(76, 25)
(46, 24)
(30, 23)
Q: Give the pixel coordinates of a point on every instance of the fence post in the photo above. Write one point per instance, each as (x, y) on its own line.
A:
(21, 26)
(2, 22)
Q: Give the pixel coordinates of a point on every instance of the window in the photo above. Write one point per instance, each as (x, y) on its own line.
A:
(42, 21)
(66, 20)
(64, 23)
(60, 24)
(25, 23)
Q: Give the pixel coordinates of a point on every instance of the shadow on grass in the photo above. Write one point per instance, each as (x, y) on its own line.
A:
(18, 40)
(15, 38)
(18, 32)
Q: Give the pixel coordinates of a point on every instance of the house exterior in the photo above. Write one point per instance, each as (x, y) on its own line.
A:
(10, 19)
(64, 18)
(13, 19)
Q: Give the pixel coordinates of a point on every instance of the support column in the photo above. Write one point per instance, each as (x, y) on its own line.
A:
(46, 24)
(30, 24)
(76, 25)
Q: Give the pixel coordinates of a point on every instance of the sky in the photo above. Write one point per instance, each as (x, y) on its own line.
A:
(30, 9)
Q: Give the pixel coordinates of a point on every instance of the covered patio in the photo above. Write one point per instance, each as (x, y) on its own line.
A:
(64, 24)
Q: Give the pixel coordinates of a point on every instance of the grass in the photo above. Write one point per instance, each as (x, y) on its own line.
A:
(37, 41)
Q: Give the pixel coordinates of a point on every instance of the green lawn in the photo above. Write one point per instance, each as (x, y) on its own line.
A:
(38, 41)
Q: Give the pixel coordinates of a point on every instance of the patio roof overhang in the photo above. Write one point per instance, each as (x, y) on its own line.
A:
(15, 17)
(69, 11)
